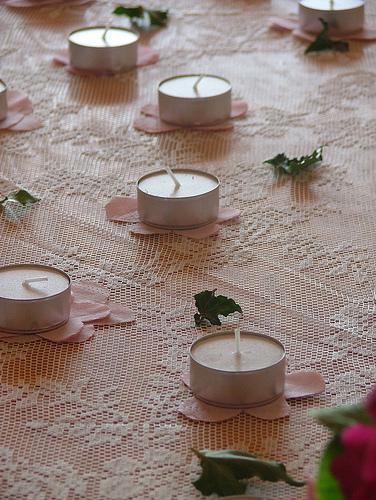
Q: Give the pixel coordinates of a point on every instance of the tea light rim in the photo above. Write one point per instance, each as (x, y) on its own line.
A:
(129, 30)
(198, 98)
(237, 372)
(5, 86)
(331, 10)
(41, 266)
(176, 199)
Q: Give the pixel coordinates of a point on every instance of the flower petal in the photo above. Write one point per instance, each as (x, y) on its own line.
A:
(300, 384)
(199, 411)
(122, 209)
(277, 409)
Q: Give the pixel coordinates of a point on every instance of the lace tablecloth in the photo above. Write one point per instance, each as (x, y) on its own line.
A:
(99, 420)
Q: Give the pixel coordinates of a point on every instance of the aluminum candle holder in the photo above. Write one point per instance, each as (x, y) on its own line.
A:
(194, 204)
(3, 100)
(190, 100)
(99, 48)
(33, 298)
(220, 378)
(343, 16)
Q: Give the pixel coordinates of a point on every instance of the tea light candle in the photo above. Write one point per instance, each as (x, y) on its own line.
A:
(102, 48)
(190, 203)
(343, 16)
(3, 100)
(222, 375)
(194, 99)
(33, 298)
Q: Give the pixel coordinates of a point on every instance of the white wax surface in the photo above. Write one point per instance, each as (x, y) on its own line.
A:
(93, 37)
(2, 86)
(337, 4)
(11, 282)
(193, 183)
(255, 352)
(182, 86)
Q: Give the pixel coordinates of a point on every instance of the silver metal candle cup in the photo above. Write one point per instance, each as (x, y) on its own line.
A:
(178, 213)
(3, 101)
(112, 59)
(28, 316)
(340, 21)
(189, 111)
(242, 389)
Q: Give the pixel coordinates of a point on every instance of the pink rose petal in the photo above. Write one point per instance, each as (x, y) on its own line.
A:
(150, 110)
(302, 35)
(279, 23)
(20, 339)
(201, 232)
(119, 315)
(84, 291)
(185, 377)
(146, 56)
(301, 384)
(226, 214)
(277, 409)
(10, 120)
(152, 125)
(29, 122)
(367, 34)
(238, 108)
(73, 327)
(219, 127)
(61, 59)
(144, 229)
(89, 311)
(86, 333)
(197, 410)
(122, 209)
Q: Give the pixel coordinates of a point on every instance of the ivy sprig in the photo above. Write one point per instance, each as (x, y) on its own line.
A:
(225, 472)
(143, 18)
(324, 42)
(210, 307)
(294, 166)
(20, 197)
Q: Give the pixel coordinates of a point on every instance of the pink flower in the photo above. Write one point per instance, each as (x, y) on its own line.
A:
(355, 467)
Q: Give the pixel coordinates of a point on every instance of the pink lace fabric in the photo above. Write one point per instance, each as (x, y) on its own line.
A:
(99, 419)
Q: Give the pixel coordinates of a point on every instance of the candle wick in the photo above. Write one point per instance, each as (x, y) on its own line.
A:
(237, 341)
(106, 30)
(195, 85)
(331, 4)
(173, 176)
(29, 281)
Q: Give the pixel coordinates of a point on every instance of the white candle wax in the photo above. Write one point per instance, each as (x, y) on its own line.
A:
(257, 352)
(335, 5)
(93, 37)
(183, 86)
(192, 183)
(12, 282)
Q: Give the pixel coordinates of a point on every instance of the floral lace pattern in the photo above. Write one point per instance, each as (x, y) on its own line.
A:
(100, 420)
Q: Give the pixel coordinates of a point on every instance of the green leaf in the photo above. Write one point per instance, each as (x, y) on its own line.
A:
(143, 18)
(324, 42)
(224, 471)
(337, 419)
(210, 307)
(23, 197)
(294, 166)
(327, 486)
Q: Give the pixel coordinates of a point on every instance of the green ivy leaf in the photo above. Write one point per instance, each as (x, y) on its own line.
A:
(22, 197)
(210, 307)
(324, 42)
(337, 419)
(327, 486)
(143, 18)
(294, 166)
(224, 471)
